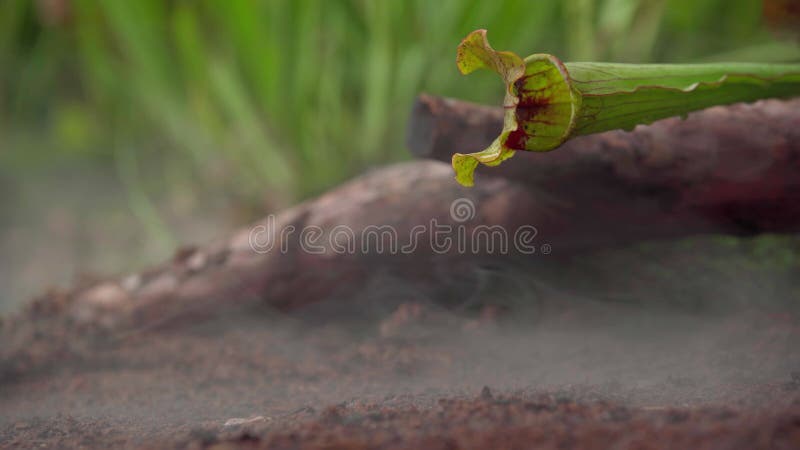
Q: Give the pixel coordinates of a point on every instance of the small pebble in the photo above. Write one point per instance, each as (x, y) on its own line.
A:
(239, 421)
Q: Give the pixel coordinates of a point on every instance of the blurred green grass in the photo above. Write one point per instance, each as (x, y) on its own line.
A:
(265, 103)
(293, 96)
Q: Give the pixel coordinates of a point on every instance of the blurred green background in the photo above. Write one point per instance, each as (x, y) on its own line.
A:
(131, 126)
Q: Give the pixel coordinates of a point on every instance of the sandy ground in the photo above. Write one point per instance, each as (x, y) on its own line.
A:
(594, 376)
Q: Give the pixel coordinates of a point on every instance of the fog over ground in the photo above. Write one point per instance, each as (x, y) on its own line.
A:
(638, 326)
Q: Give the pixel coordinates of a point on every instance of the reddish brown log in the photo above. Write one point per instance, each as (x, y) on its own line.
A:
(731, 170)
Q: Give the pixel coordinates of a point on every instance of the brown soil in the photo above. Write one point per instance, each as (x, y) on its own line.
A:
(415, 377)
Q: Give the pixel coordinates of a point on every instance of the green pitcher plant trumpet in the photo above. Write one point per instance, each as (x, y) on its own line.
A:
(547, 101)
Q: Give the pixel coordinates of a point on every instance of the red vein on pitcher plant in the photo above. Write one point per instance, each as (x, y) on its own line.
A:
(547, 101)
